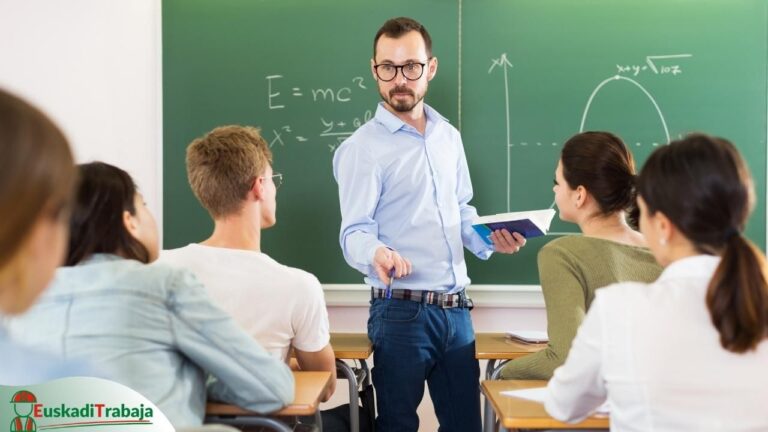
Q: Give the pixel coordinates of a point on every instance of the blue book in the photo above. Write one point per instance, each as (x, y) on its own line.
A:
(528, 223)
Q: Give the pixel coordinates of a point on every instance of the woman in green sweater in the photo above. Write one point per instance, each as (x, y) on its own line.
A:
(594, 188)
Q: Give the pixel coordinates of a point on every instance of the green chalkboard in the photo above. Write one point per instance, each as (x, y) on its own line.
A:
(536, 72)
(516, 76)
(299, 70)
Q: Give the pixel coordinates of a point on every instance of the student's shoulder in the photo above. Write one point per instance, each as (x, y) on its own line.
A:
(294, 278)
(180, 256)
(569, 246)
(170, 277)
(590, 247)
(175, 252)
(624, 294)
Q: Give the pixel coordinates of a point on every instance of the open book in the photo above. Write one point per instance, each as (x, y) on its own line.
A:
(528, 223)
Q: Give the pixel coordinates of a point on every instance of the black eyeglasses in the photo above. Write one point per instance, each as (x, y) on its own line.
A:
(411, 71)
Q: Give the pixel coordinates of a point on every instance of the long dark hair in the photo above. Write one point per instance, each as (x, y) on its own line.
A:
(602, 163)
(703, 186)
(97, 226)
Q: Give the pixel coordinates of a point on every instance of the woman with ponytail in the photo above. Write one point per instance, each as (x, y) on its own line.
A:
(689, 351)
(594, 188)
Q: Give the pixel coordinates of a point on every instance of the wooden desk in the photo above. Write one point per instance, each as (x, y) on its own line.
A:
(516, 413)
(353, 346)
(309, 386)
(494, 347)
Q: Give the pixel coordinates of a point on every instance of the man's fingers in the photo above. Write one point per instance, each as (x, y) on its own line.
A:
(520, 240)
(388, 262)
(401, 267)
(383, 274)
(506, 242)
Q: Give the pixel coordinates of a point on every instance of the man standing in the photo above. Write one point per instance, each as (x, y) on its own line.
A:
(404, 191)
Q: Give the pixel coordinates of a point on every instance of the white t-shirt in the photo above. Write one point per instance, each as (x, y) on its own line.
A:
(653, 352)
(279, 306)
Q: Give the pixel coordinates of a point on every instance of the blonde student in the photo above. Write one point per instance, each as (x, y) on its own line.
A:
(594, 188)
(687, 352)
(152, 328)
(230, 172)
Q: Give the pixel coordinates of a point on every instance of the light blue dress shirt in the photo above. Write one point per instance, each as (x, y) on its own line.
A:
(409, 192)
(154, 329)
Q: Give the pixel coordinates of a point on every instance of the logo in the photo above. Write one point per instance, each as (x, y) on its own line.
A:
(78, 403)
(22, 405)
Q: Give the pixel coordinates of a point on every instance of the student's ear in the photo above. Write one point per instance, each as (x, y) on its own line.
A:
(580, 196)
(664, 227)
(129, 221)
(257, 189)
(431, 68)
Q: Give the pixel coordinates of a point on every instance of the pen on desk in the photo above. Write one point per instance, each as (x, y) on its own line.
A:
(388, 291)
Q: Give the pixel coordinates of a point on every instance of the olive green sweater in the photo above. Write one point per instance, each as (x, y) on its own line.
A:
(571, 269)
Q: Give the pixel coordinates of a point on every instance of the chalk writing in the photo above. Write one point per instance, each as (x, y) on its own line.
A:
(657, 64)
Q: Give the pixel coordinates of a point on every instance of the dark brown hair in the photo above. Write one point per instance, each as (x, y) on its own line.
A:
(37, 172)
(703, 186)
(222, 164)
(97, 226)
(601, 163)
(396, 27)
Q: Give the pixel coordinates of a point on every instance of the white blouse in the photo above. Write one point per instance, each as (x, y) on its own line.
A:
(651, 351)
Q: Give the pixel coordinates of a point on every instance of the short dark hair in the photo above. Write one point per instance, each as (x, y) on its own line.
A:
(396, 27)
(602, 163)
(703, 186)
(96, 226)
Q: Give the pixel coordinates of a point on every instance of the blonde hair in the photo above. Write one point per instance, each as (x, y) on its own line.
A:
(222, 165)
(37, 179)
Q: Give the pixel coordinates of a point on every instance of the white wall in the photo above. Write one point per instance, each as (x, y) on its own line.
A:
(95, 67)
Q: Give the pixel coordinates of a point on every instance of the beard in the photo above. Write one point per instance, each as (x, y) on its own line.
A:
(401, 105)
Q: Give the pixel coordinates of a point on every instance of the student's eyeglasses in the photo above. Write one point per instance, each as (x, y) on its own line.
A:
(277, 179)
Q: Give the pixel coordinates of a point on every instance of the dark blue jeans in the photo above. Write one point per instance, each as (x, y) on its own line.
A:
(415, 342)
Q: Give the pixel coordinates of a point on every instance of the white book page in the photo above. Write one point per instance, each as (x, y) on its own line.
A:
(539, 394)
(541, 218)
(530, 336)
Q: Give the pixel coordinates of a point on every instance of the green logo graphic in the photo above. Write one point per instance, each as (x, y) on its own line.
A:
(23, 401)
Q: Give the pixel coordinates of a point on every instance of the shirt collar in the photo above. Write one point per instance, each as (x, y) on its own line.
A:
(691, 267)
(394, 124)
